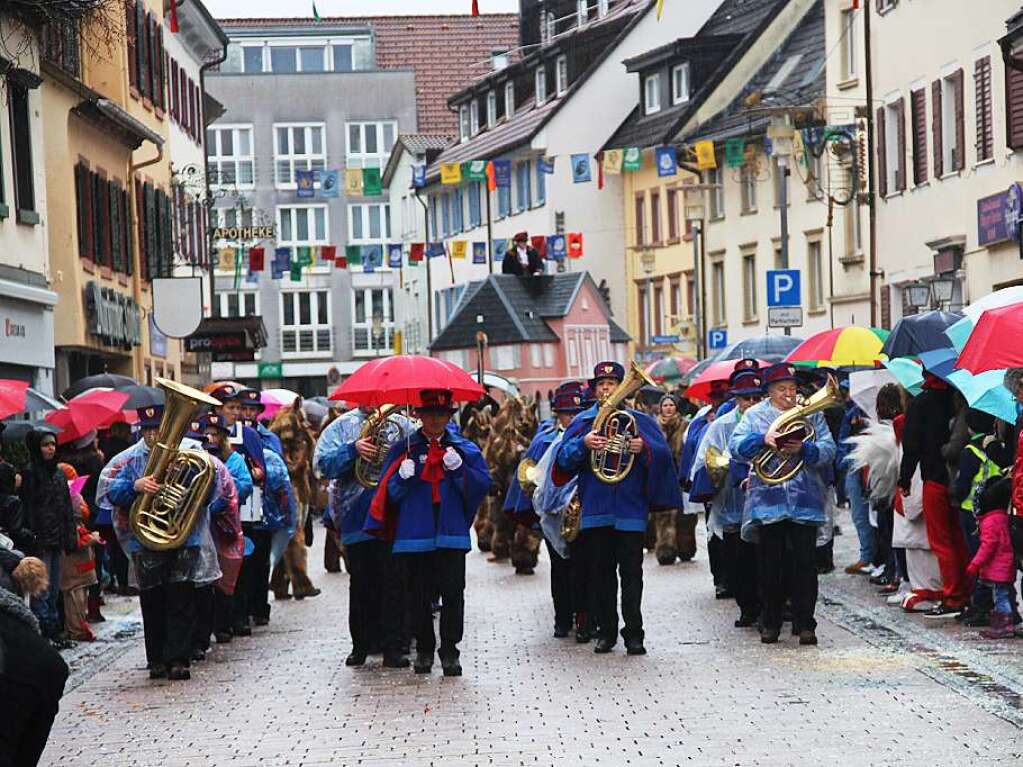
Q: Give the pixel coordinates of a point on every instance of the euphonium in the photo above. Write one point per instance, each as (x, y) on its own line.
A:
(717, 464)
(571, 518)
(384, 430)
(164, 520)
(773, 466)
(526, 474)
(614, 462)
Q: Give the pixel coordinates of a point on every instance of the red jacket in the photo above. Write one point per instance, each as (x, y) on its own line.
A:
(1017, 476)
(994, 560)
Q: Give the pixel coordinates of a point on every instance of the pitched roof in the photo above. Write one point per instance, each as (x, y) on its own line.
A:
(748, 18)
(415, 144)
(803, 85)
(516, 310)
(447, 52)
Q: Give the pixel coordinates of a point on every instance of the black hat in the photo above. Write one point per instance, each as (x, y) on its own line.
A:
(436, 401)
(251, 398)
(607, 369)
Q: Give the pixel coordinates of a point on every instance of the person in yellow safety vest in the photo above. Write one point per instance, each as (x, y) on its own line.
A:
(984, 456)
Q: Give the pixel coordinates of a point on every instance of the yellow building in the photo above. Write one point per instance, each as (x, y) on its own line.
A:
(108, 190)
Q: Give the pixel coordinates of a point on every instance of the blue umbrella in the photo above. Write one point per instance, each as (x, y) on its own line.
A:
(918, 333)
(986, 391)
(908, 373)
(940, 362)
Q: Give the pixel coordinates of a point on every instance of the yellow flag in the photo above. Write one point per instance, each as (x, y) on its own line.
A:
(459, 248)
(660, 9)
(353, 182)
(227, 259)
(451, 172)
(613, 160)
(705, 157)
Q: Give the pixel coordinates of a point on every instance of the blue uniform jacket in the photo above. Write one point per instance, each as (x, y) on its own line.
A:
(404, 508)
(236, 464)
(280, 510)
(270, 440)
(651, 485)
(517, 503)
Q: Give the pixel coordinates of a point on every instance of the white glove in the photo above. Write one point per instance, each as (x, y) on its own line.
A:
(407, 469)
(452, 460)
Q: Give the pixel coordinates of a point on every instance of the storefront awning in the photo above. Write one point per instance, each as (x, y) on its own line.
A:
(228, 339)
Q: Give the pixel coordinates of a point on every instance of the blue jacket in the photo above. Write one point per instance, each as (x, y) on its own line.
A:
(280, 510)
(408, 512)
(517, 503)
(651, 485)
(270, 440)
(852, 411)
(236, 464)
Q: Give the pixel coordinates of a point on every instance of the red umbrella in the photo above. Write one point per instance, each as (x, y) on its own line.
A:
(398, 381)
(96, 409)
(720, 371)
(12, 397)
(991, 345)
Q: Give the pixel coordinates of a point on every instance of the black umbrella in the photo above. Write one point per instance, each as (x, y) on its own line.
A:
(14, 432)
(104, 380)
(918, 333)
(770, 348)
(142, 396)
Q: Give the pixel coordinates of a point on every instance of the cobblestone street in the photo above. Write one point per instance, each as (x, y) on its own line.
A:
(881, 688)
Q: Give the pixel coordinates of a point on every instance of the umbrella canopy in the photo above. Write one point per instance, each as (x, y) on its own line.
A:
(103, 380)
(670, 369)
(15, 431)
(275, 399)
(940, 362)
(840, 347)
(908, 373)
(143, 396)
(37, 402)
(986, 391)
(500, 383)
(994, 342)
(399, 380)
(864, 386)
(960, 331)
(12, 397)
(918, 333)
(719, 370)
(772, 348)
(96, 409)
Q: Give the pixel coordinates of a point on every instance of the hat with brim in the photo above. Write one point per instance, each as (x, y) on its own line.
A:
(782, 371)
(436, 401)
(607, 369)
(251, 398)
(747, 383)
(225, 392)
(150, 416)
(215, 421)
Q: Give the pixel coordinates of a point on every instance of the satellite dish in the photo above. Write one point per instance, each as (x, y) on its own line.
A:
(177, 305)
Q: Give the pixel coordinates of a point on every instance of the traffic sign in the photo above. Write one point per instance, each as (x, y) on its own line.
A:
(717, 338)
(785, 316)
(665, 339)
(783, 287)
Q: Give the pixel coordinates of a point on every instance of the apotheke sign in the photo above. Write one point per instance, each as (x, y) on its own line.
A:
(239, 233)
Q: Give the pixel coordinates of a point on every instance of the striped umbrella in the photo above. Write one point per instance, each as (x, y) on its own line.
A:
(850, 346)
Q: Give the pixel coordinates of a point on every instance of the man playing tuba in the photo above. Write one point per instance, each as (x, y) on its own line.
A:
(782, 515)
(614, 515)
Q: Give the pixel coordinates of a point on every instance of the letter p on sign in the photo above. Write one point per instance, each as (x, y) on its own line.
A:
(783, 287)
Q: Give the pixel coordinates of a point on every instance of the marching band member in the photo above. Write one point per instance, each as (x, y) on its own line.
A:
(252, 407)
(783, 518)
(614, 516)
(375, 583)
(429, 492)
(727, 497)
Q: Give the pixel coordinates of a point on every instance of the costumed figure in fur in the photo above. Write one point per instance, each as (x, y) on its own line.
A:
(478, 429)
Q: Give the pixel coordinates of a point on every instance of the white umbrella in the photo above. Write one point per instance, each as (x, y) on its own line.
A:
(864, 386)
(498, 382)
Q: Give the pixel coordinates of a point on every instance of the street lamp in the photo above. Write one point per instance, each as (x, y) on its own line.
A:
(694, 203)
(941, 289)
(918, 294)
(781, 133)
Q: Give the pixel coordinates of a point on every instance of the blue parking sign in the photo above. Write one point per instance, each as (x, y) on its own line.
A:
(717, 338)
(783, 287)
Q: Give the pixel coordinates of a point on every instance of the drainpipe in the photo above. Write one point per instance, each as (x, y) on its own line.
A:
(872, 181)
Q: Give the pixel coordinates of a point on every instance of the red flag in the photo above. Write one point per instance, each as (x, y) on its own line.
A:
(491, 177)
(174, 17)
(328, 252)
(575, 244)
(600, 171)
(341, 262)
(475, 8)
(415, 252)
(255, 255)
(539, 243)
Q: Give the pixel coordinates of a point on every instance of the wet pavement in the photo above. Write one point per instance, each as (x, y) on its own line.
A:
(881, 688)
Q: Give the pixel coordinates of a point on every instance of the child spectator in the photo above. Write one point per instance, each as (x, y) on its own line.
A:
(78, 567)
(994, 562)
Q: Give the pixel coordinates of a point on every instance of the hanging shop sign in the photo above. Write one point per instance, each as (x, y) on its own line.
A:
(112, 316)
(241, 233)
(998, 216)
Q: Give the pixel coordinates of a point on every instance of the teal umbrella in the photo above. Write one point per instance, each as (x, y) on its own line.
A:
(908, 373)
(986, 391)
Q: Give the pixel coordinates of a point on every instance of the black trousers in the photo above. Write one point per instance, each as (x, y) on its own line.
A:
(168, 621)
(885, 528)
(716, 555)
(116, 563)
(204, 612)
(741, 570)
(374, 597)
(441, 571)
(223, 611)
(787, 565)
(561, 589)
(584, 592)
(618, 555)
(251, 595)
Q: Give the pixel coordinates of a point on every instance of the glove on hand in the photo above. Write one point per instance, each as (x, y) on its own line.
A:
(407, 469)
(452, 460)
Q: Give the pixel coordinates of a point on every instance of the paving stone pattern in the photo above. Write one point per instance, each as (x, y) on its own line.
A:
(880, 689)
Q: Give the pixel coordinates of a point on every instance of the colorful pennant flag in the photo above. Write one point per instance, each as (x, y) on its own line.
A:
(341, 262)
(329, 183)
(305, 255)
(372, 257)
(581, 169)
(475, 170)
(450, 173)
(281, 263)
(257, 260)
(435, 250)
(371, 182)
(539, 243)
(500, 248)
(305, 180)
(575, 244)
(296, 271)
(394, 255)
(491, 177)
(328, 253)
(228, 256)
(353, 182)
(556, 246)
(353, 255)
(419, 176)
(735, 151)
(613, 159)
(502, 174)
(546, 165)
(667, 161)
(479, 252)
(632, 160)
(415, 252)
(459, 248)
(705, 157)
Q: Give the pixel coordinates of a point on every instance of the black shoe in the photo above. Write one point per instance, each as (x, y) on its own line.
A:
(560, 632)
(582, 636)
(61, 643)
(807, 637)
(880, 580)
(223, 637)
(261, 620)
(604, 646)
(943, 611)
(242, 631)
(178, 672)
(198, 655)
(355, 658)
(311, 593)
(159, 671)
(635, 647)
(722, 592)
(769, 636)
(395, 661)
(423, 664)
(451, 666)
(976, 619)
(746, 621)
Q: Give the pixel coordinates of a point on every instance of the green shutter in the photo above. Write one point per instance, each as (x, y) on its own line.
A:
(149, 232)
(129, 246)
(116, 237)
(141, 49)
(81, 209)
(166, 239)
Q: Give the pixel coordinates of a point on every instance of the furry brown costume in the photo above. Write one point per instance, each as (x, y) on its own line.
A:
(478, 429)
(672, 533)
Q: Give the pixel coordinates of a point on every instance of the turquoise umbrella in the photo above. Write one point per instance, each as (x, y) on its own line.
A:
(986, 391)
(908, 373)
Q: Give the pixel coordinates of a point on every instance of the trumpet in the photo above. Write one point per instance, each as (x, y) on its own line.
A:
(526, 474)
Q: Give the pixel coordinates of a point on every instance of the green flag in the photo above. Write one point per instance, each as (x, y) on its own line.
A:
(371, 183)
(633, 159)
(474, 170)
(305, 255)
(296, 271)
(353, 254)
(735, 152)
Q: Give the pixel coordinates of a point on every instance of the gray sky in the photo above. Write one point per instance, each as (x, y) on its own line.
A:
(276, 8)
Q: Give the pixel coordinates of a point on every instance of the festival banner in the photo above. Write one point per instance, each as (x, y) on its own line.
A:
(479, 252)
(419, 176)
(304, 255)
(371, 182)
(353, 255)
(632, 160)
(296, 271)
(613, 159)
(257, 258)
(394, 255)
(475, 170)
(539, 243)
(435, 250)
(328, 253)
(330, 183)
(228, 256)
(502, 173)
(581, 169)
(353, 182)
(372, 257)
(546, 165)
(500, 248)
(556, 246)
(459, 248)
(450, 173)
(705, 157)
(281, 262)
(575, 244)
(305, 181)
(735, 152)
(667, 161)
(416, 251)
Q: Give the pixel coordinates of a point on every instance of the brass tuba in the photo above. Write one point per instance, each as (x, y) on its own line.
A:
(717, 463)
(572, 518)
(613, 464)
(774, 467)
(384, 429)
(526, 474)
(164, 520)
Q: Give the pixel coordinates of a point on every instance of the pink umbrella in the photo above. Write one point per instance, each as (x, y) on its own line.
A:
(713, 376)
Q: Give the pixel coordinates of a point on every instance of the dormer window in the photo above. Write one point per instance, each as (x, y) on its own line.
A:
(463, 122)
(561, 75)
(582, 12)
(509, 100)
(540, 79)
(680, 83)
(652, 94)
(474, 117)
(602, 8)
(491, 109)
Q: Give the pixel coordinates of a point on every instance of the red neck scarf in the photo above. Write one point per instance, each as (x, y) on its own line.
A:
(433, 469)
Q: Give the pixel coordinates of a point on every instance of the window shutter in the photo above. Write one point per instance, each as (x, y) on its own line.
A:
(126, 233)
(886, 306)
(918, 110)
(114, 192)
(141, 48)
(900, 168)
(982, 89)
(939, 160)
(131, 40)
(152, 245)
(99, 221)
(959, 156)
(882, 155)
(1013, 108)
(166, 262)
(82, 208)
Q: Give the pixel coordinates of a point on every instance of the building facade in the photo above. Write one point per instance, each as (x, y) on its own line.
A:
(26, 298)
